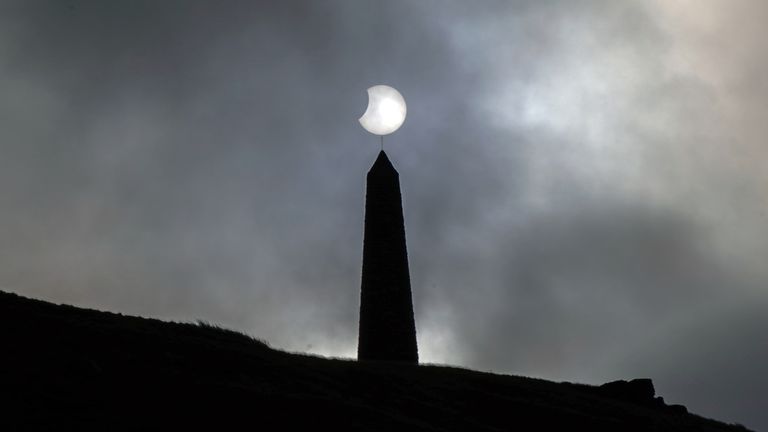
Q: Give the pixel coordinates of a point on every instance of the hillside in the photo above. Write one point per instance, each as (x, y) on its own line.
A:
(67, 368)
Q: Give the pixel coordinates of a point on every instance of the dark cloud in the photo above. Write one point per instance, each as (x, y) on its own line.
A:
(583, 185)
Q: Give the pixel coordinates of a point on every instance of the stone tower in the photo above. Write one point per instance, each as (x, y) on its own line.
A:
(387, 325)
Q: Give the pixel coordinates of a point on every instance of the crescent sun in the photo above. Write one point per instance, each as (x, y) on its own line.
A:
(386, 110)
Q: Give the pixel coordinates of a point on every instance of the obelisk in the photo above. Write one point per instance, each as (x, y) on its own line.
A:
(387, 325)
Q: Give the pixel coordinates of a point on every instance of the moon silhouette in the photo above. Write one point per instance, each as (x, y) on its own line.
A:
(386, 110)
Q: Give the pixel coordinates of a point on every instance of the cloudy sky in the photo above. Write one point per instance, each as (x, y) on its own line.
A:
(585, 182)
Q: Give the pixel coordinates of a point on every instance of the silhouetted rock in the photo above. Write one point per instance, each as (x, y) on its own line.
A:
(639, 391)
(387, 325)
(678, 409)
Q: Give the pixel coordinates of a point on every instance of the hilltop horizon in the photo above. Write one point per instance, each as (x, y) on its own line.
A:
(75, 368)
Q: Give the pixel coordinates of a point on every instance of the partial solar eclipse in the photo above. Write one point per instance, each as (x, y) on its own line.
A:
(386, 110)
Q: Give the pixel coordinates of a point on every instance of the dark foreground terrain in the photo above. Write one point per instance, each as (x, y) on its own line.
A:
(66, 368)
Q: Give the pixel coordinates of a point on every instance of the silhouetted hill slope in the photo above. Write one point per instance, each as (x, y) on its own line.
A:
(66, 368)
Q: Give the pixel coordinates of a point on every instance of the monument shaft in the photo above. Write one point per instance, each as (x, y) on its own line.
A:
(387, 325)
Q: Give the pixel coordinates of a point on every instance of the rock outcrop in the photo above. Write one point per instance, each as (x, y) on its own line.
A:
(639, 391)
